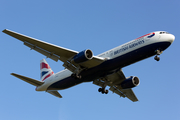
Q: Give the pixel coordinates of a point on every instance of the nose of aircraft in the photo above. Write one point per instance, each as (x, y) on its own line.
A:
(170, 38)
(167, 37)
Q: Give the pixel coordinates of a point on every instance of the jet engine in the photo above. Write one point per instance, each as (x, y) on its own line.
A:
(130, 82)
(83, 56)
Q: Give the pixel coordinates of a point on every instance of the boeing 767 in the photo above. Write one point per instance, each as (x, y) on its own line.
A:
(104, 69)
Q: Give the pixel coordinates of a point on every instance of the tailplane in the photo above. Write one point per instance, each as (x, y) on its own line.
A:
(55, 93)
(46, 70)
(28, 80)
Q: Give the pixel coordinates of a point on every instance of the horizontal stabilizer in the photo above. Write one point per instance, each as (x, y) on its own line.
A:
(55, 93)
(29, 80)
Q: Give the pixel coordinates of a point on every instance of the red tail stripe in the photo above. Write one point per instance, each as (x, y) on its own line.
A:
(44, 65)
(48, 76)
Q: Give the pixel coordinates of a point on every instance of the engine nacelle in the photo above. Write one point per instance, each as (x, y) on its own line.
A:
(130, 82)
(83, 56)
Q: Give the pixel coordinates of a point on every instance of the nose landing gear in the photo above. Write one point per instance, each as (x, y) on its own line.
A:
(157, 58)
(158, 52)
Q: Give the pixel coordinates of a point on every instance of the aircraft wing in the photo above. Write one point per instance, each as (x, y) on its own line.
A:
(53, 51)
(113, 81)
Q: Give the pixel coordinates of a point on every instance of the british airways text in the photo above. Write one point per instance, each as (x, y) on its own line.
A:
(128, 47)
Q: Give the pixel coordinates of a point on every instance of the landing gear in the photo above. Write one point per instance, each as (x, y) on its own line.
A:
(158, 52)
(76, 73)
(157, 58)
(103, 90)
(76, 76)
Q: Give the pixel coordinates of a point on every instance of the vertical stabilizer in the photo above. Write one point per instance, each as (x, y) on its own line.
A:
(46, 70)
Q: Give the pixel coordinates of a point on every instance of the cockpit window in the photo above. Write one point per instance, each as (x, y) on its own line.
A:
(163, 33)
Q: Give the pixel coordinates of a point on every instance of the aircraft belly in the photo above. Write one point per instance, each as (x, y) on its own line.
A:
(64, 83)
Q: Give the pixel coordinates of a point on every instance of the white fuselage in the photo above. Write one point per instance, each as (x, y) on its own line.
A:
(136, 44)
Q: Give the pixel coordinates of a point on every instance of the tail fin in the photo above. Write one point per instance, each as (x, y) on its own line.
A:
(46, 71)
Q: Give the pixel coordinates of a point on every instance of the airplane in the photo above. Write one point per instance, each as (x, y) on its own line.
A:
(103, 70)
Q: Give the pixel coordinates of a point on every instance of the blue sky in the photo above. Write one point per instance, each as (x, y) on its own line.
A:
(98, 25)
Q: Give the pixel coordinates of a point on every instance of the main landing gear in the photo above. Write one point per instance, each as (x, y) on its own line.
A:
(76, 76)
(103, 90)
(158, 52)
(76, 73)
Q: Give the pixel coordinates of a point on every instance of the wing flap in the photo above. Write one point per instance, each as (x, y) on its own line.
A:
(117, 91)
(44, 52)
(28, 80)
(130, 94)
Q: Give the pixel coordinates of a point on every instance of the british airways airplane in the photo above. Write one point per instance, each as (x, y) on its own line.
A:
(104, 69)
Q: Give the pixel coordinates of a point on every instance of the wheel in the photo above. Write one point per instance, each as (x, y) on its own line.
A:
(156, 58)
(100, 90)
(106, 92)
